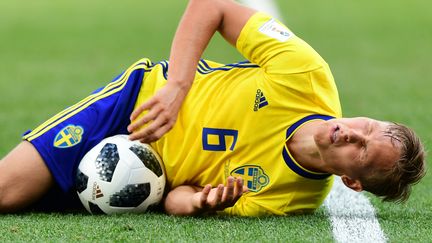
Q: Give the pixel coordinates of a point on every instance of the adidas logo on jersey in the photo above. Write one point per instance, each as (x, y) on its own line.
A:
(260, 100)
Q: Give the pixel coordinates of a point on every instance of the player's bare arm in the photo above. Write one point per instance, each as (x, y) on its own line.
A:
(200, 21)
(191, 200)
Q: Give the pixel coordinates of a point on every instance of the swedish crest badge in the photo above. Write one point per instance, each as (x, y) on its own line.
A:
(254, 176)
(69, 136)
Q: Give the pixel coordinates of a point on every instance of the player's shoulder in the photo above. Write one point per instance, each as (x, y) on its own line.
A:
(267, 40)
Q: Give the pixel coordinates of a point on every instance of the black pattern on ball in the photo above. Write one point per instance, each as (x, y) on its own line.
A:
(148, 158)
(107, 161)
(81, 181)
(130, 196)
(95, 209)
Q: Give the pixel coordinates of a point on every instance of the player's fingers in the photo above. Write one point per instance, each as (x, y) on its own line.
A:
(143, 134)
(218, 196)
(159, 132)
(204, 194)
(151, 115)
(238, 188)
(229, 190)
(201, 203)
(245, 189)
(156, 130)
(145, 106)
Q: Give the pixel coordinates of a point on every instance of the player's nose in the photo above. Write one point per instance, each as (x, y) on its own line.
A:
(353, 136)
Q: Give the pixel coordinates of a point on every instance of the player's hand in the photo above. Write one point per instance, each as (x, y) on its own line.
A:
(162, 109)
(218, 198)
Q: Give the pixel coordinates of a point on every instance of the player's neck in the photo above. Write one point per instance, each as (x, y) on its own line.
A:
(303, 148)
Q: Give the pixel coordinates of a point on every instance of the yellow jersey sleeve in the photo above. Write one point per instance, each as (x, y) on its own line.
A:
(270, 44)
(288, 61)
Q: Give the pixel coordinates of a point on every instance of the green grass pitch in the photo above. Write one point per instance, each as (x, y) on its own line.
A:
(53, 53)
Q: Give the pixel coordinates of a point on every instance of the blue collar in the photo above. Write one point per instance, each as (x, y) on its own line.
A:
(289, 160)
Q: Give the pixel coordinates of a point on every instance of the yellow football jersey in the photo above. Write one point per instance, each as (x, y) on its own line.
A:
(237, 118)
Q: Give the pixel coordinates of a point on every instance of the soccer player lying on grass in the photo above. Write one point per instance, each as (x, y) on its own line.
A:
(271, 126)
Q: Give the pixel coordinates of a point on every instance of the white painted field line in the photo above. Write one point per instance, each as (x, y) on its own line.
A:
(352, 216)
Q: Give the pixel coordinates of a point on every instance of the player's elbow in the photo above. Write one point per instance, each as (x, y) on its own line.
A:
(173, 208)
(178, 202)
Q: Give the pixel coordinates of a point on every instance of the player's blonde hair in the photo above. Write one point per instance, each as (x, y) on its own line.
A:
(394, 184)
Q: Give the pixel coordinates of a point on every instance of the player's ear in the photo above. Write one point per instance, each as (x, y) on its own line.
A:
(351, 183)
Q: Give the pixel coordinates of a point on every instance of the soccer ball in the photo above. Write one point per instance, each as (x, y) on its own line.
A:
(120, 176)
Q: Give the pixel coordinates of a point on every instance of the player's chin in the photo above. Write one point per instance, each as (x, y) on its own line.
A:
(322, 140)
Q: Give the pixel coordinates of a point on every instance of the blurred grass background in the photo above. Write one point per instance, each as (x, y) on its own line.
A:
(53, 53)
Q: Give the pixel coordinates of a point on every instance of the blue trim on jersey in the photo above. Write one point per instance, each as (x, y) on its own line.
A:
(290, 162)
(294, 126)
(164, 68)
(204, 67)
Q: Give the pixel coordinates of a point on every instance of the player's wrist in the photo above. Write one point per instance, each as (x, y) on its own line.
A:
(180, 86)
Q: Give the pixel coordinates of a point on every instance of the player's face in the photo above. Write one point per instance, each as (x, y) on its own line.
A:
(352, 146)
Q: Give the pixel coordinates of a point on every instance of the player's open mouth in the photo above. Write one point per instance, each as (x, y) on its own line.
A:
(334, 134)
